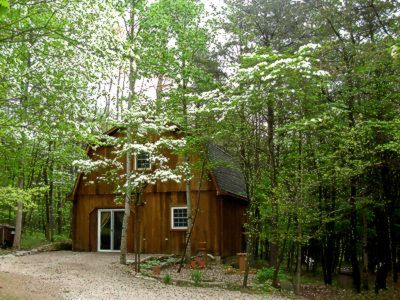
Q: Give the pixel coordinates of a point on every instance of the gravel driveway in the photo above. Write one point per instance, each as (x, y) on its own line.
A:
(84, 275)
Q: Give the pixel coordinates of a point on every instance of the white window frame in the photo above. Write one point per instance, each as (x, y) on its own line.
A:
(99, 211)
(172, 217)
(143, 169)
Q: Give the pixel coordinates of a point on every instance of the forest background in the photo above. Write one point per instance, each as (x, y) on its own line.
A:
(304, 94)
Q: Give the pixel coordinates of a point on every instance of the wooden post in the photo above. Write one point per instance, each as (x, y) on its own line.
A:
(242, 260)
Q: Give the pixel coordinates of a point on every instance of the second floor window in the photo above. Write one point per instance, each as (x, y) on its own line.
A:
(143, 161)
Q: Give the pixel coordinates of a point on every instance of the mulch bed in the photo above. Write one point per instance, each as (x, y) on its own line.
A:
(212, 273)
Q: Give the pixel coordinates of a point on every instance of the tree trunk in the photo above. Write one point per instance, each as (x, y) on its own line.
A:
(365, 284)
(60, 204)
(128, 163)
(187, 244)
(328, 259)
(353, 237)
(159, 89)
(188, 249)
(393, 249)
(383, 259)
(274, 249)
(188, 253)
(137, 234)
(127, 207)
(249, 251)
(51, 194)
(290, 257)
(328, 245)
(298, 264)
(341, 255)
(299, 201)
(18, 219)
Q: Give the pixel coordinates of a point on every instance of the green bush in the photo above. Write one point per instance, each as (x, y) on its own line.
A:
(196, 277)
(167, 279)
(149, 264)
(35, 239)
(265, 274)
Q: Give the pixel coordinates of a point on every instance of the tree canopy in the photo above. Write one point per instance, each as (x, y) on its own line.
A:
(304, 94)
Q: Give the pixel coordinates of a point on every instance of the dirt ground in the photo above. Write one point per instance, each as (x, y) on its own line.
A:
(77, 275)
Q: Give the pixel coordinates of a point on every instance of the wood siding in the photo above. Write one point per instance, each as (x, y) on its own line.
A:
(233, 219)
(217, 221)
(156, 234)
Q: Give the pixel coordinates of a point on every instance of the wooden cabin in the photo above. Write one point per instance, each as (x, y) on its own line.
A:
(97, 218)
(7, 233)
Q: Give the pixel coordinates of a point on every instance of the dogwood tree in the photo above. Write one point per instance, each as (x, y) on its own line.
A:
(176, 44)
(152, 135)
(268, 91)
(51, 64)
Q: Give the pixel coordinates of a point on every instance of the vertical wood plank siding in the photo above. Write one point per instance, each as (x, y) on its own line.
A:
(156, 235)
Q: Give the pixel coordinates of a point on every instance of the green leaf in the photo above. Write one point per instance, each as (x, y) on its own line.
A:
(4, 7)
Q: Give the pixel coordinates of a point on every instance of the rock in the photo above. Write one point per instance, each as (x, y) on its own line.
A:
(22, 253)
(57, 246)
(210, 256)
(287, 285)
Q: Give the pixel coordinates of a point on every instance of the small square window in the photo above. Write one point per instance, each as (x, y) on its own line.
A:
(142, 161)
(179, 218)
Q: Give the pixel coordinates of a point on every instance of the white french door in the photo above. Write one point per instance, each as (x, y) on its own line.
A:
(109, 229)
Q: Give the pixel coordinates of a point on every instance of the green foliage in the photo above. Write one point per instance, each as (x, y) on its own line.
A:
(9, 196)
(315, 149)
(196, 277)
(46, 104)
(34, 239)
(5, 251)
(167, 279)
(265, 274)
(149, 264)
(4, 7)
(309, 123)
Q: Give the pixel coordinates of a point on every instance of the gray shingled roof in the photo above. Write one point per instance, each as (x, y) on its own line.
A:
(226, 171)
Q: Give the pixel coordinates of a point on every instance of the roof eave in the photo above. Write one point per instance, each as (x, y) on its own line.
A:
(226, 193)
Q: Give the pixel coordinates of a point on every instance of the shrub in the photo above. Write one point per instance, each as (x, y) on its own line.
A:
(167, 279)
(196, 277)
(149, 264)
(265, 274)
(36, 239)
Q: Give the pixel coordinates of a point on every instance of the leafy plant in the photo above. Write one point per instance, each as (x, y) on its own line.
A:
(196, 277)
(4, 7)
(147, 265)
(167, 279)
(265, 274)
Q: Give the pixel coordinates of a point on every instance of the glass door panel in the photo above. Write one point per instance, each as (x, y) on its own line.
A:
(105, 230)
(109, 229)
(118, 217)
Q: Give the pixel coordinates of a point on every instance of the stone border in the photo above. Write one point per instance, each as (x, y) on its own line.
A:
(56, 246)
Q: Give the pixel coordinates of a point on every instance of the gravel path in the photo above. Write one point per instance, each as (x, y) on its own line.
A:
(79, 275)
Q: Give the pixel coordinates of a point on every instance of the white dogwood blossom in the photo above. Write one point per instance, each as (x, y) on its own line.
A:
(263, 74)
(153, 134)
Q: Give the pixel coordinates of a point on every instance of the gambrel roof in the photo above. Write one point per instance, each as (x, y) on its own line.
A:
(226, 171)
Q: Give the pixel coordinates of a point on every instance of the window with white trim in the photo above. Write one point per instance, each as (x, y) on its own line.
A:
(143, 161)
(179, 218)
